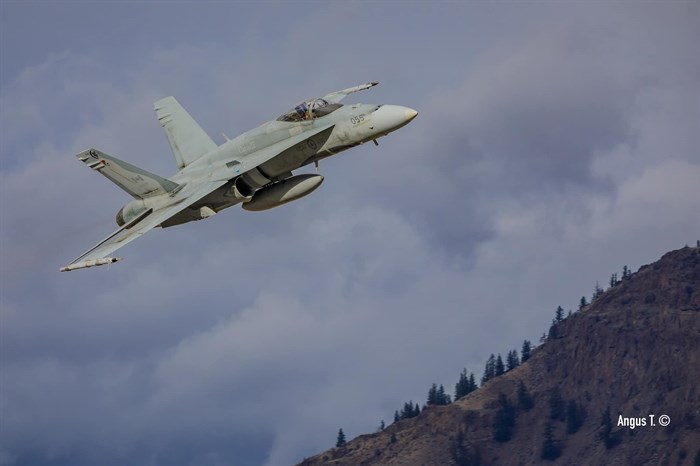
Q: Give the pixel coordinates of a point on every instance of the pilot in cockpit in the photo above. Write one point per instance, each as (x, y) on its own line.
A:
(309, 110)
(303, 111)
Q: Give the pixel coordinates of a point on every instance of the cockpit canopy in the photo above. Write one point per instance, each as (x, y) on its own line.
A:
(309, 109)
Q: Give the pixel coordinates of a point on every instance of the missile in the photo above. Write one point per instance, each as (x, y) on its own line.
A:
(89, 263)
(284, 191)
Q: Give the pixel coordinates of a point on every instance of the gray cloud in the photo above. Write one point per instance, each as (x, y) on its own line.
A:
(552, 147)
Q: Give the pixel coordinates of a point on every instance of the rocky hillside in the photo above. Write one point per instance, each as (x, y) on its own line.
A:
(634, 350)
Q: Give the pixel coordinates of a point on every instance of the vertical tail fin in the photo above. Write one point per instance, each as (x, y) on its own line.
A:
(136, 181)
(187, 139)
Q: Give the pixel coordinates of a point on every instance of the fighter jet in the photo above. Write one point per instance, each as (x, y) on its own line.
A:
(254, 169)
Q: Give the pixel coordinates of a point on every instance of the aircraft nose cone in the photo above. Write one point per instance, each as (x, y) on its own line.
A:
(409, 114)
(392, 117)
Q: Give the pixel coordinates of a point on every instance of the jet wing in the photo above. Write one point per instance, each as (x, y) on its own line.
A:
(337, 96)
(99, 254)
(181, 199)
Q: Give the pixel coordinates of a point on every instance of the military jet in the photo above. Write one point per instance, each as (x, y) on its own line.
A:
(253, 169)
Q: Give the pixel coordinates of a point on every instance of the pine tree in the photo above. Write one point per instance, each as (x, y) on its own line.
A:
(583, 303)
(556, 405)
(558, 314)
(472, 383)
(605, 432)
(525, 401)
(558, 318)
(442, 397)
(499, 368)
(504, 420)
(438, 397)
(550, 450)
(462, 454)
(525, 351)
(432, 395)
(409, 410)
(382, 426)
(597, 292)
(462, 385)
(512, 361)
(574, 417)
(613, 280)
(489, 370)
(393, 438)
(340, 442)
(626, 273)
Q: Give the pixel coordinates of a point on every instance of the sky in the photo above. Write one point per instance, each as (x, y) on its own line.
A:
(555, 143)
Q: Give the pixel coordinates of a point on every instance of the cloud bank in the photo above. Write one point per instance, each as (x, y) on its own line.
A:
(552, 147)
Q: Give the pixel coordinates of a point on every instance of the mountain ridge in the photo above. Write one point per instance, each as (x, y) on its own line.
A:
(635, 351)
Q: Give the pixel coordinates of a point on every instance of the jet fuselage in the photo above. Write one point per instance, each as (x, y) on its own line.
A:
(255, 169)
(347, 127)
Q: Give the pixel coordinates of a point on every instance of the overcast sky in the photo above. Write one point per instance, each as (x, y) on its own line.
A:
(556, 142)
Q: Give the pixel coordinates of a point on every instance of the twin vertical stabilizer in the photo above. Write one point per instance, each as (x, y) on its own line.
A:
(187, 139)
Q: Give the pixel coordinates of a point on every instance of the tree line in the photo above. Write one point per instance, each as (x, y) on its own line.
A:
(495, 366)
(466, 384)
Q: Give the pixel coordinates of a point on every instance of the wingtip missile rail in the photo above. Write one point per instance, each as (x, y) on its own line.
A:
(90, 263)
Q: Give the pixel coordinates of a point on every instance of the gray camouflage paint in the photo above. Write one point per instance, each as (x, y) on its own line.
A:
(252, 167)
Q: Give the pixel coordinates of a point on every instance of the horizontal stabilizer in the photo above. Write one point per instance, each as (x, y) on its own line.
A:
(136, 181)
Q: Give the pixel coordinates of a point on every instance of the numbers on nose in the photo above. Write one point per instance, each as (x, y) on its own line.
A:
(356, 120)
